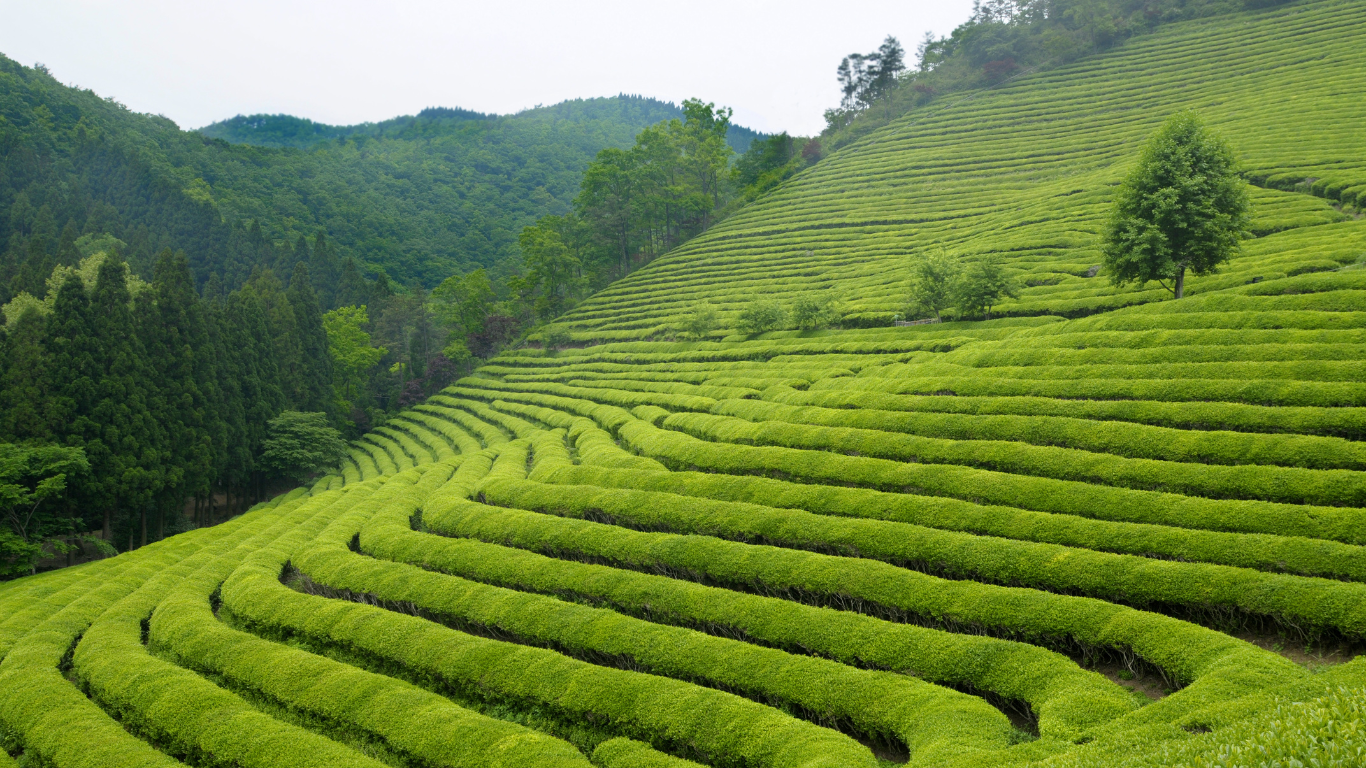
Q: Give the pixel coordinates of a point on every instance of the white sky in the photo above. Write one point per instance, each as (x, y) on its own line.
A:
(344, 62)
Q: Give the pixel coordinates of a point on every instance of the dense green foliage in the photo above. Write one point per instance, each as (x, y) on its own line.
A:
(701, 525)
(30, 476)
(72, 163)
(636, 204)
(1181, 207)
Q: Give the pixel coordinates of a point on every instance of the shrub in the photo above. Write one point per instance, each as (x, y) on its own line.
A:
(761, 316)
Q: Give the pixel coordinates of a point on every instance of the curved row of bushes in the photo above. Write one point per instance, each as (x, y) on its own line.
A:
(1262, 552)
(1287, 485)
(1297, 603)
(1066, 700)
(1347, 423)
(893, 707)
(419, 725)
(1119, 439)
(724, 728)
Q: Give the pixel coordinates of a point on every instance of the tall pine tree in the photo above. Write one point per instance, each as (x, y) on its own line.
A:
(284, 329)
(26, 384)
(128, 467)
(178, 350)
(263, 397)
(324, 270)
(316, 387)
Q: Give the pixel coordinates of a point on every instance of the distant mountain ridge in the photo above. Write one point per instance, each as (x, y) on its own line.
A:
(281, 130)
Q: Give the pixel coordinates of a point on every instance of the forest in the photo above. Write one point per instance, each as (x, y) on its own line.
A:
(90, 162)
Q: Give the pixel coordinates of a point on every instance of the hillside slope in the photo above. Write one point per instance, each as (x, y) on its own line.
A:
(422, 197)
(1104, 530)
(1025, 170)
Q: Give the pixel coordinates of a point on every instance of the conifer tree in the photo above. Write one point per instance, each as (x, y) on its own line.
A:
(129, 469)
(324, 271)
(284, 330)
(315, 389)
(177, 332)
(263, 396)
(25, 386)
(67, 255)
(74, 354)
(232, 458)
(352, 289)
(37, 266)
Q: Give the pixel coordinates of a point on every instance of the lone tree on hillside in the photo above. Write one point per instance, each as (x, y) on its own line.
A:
(981, 286)
(933, 278)
(701, 322)
(1182, 207)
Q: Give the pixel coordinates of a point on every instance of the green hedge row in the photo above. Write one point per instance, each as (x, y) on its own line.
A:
(384, 460)
(181, 711)
(619, 398)
(1288, 554)
(593, 446)
(905, 381)
(669, 388)
(1306, 604)
(1120, 439)
(51, 719)
(680, 451)
(1072, 349)
(29, 602)
(892, 707)
(625, 753)
(748, 352)
(519, 428)
(417, 447)
(1208, 661)
(437, 446)
(1336, 422)
(487, 434)
(728, 729)
(389, 449)
(420, 725)
(1241, 370)
(460, 440)
(1066, 700)
(1329, 730)
(752, 422)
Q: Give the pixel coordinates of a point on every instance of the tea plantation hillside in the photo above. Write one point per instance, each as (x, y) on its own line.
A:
(1105, 528)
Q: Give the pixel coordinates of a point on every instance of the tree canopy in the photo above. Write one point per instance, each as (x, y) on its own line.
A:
(30, 476)
(299, 445)
(1182, 207)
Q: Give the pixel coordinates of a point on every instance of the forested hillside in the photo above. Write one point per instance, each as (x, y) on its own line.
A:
(420, 197)
(896, 465)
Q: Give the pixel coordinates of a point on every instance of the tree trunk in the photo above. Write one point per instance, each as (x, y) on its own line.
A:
(143, 517)
(105, 532)
(161, 522)
(1180, 288)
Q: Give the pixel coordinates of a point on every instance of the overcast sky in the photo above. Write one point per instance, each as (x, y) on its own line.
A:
(344, 62)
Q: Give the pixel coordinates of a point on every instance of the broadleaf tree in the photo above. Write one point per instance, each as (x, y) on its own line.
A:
(1182, 207)
(31, 476)
(298, 445)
